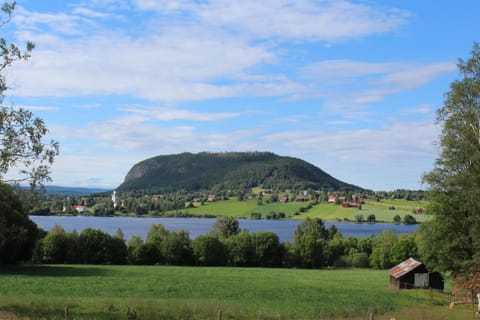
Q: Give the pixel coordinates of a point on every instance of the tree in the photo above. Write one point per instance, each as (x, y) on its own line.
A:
(177, 249)
(239, 249)
(98, 247)
(267, 248)
(225, 227)
(142, 253)
(21, 134)
(208, 251)
(404, 247)
(311, 227)
(409, 219)
(382, 250)
(18, 233)
(397, 219)
(54, 247)
(450, 240)
(309, 242)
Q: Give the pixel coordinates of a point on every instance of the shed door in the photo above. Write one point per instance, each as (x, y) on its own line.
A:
(421, 280)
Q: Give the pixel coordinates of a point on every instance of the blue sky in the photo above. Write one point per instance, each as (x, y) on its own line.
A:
(349, 86)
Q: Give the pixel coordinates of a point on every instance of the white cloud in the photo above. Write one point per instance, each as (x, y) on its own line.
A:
(169, 114)
(177, 65)
(206, 56)
(351, 86)
(290, 20)
(39, 108)
(39, 22)
(89, 13)
(411, 76)
(412, 139)
(88, 170)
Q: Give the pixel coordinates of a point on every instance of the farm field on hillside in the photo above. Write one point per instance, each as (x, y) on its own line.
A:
(330, 212)
(153, 292)
(324, 211)
(244, 208)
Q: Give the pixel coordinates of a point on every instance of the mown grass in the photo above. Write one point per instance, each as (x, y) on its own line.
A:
(159, 292)
(324, 211)
(245, 208)
(330, 212)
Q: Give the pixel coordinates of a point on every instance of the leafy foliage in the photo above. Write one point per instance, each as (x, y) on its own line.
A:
(18, 233)
(225, 227)
(21, 134)
(450, 240)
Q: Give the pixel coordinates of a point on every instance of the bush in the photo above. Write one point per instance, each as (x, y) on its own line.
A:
(359, 260)
(255, 216)
(409, 219)
(359, 218)
(397, 219)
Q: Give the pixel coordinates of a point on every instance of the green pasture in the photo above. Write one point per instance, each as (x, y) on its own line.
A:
(161, 292)
(329, 212)
(325, 211)
(244, 208)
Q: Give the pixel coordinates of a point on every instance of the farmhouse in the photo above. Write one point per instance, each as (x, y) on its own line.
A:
(331, 198)
(302, 199)
(413, 274)
(80, 209)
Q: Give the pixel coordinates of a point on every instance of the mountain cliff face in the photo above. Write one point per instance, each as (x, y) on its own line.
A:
(227, 171)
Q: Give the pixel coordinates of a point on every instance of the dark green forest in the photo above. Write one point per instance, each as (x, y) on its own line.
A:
(229, 171)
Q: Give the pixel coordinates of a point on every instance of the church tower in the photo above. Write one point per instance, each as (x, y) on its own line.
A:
(115, 199)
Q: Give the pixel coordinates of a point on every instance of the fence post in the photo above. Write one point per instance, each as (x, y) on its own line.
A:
(473, 303)
(431, 297)
(372, 316)
(66, 312)
(219, 314)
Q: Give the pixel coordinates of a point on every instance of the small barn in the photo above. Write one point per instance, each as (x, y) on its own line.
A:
(413, 274)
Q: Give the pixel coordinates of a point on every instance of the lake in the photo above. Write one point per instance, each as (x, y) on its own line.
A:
(197, 226)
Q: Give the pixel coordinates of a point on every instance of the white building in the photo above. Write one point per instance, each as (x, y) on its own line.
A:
(115, 199)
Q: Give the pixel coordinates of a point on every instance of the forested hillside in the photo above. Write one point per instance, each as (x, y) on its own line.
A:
(228, 171)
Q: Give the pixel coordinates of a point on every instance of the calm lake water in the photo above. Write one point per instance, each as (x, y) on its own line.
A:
(197, 226)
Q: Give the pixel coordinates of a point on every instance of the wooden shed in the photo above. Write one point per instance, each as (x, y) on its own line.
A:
(413, 274)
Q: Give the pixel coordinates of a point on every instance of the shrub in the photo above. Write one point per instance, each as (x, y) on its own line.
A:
(409, 219)
(359, 218)
(397, 219)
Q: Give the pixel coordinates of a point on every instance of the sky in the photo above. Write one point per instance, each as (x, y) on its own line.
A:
(349, 86)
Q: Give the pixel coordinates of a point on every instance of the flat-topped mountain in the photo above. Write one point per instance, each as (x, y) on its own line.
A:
(227, 171)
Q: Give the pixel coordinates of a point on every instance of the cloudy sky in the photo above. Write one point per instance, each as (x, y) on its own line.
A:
(349, 86)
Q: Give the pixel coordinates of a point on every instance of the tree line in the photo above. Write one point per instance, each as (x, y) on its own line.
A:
(313, 246)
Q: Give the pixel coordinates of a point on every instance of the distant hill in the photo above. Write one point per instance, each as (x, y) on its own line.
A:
(73, 191)
(227, 171)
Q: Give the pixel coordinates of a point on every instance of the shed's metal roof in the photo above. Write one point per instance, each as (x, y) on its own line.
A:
(404, 267)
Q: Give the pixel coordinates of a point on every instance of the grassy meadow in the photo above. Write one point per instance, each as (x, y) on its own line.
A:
(324, 211)
(160, 292)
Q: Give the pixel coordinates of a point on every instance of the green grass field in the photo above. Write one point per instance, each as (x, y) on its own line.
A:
(159, 292)
(324, 211)
(244, 208)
